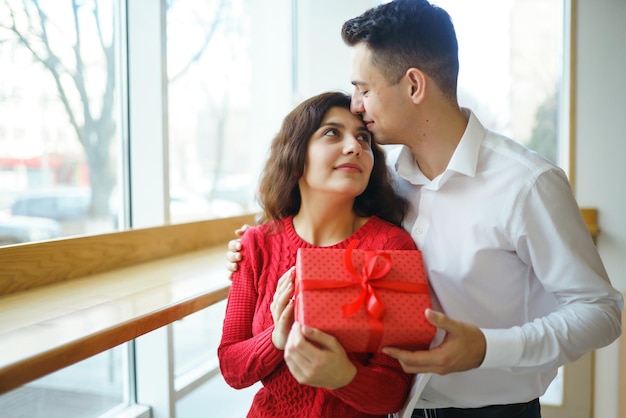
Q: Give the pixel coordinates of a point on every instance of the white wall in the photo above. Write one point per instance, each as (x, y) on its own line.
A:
(601, 155)
(601, 125)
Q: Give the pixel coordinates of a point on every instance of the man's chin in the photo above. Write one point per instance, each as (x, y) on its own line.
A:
(380, 139)
(386, 141)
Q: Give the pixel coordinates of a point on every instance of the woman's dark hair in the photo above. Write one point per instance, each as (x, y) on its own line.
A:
(405, 34)
(279, 194)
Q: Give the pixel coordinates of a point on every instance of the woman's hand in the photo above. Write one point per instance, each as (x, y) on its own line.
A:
(317, 359)
(282, 309)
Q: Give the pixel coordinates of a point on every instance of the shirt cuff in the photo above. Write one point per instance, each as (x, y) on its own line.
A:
(504, 348)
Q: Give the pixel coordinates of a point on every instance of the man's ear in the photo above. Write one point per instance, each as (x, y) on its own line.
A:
(416, 84)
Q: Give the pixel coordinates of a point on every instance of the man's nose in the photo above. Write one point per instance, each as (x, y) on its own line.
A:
(356, 104)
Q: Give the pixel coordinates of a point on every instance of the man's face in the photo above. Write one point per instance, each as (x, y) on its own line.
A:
(381, 105)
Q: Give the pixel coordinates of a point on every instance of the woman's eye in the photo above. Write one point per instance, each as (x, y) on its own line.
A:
(331, 132)
(365, 138)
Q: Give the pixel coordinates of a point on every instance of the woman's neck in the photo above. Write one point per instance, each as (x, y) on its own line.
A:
(326, 226)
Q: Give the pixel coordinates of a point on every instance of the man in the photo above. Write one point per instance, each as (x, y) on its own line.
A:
(510, 261)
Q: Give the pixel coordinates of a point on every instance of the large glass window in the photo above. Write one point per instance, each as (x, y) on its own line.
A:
(59, 161)
(87, 389)
(210, 100)
(512, 69)
(196, 338)
(60, 130)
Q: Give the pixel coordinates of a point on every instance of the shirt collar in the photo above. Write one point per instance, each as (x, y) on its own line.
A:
(464, 159)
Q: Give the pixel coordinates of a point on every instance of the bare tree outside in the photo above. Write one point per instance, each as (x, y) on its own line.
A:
(75, 43)
(210, 103)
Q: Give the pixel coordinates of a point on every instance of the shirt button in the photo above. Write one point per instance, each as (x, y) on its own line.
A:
(419, 230)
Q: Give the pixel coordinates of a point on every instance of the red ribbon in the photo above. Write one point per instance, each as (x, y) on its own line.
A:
(376, 265)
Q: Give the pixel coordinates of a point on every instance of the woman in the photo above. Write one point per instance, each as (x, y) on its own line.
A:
(325, 184)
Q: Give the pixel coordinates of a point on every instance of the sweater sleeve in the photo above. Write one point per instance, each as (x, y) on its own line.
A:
(380, 385)
(384, 236)
(400, 240)
(245, 358)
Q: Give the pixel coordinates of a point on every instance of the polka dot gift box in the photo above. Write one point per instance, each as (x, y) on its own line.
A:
(366, 299)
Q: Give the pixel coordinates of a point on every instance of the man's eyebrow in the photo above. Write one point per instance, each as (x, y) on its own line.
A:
(357, 83)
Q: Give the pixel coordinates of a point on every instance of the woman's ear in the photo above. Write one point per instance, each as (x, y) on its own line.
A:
(416, 84)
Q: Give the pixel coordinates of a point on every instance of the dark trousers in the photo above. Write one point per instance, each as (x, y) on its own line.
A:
(531, 409)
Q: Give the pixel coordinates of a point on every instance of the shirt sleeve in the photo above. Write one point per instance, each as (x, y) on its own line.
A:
(245, 358)
(551, 236)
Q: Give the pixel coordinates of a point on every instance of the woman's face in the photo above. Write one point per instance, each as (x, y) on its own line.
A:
(339, 156)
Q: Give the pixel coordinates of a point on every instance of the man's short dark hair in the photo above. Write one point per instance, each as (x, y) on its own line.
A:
(405, 34)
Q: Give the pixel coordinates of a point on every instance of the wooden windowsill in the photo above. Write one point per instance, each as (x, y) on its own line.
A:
(51, 317)
(590, 216)
(48, 328)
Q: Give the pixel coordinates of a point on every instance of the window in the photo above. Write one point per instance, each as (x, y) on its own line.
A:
(59, 163)
(513, 70)
(209, 108)
(59, 97)
(87, 389)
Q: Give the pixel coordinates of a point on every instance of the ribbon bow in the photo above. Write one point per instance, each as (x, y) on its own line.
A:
(371, 270)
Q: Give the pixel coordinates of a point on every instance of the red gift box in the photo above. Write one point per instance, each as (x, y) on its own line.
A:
(366, 299)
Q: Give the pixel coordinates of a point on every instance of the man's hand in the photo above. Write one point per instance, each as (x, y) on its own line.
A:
(317, 359)
(282, 309)
(463, 348)
(233, 255)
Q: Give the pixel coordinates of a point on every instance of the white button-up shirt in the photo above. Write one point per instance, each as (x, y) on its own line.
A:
(506, 249)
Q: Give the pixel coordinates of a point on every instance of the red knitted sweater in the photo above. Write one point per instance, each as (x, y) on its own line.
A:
(246, 352)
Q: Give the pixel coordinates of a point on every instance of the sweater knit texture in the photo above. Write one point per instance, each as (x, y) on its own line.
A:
(247, 354)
